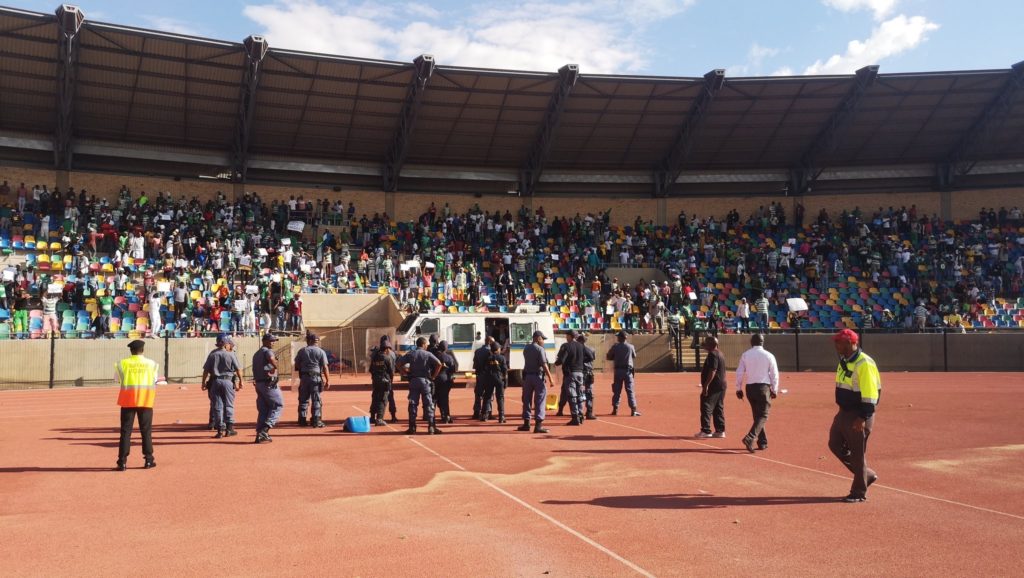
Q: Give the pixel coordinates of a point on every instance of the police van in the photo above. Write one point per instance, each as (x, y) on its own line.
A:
(465, 333)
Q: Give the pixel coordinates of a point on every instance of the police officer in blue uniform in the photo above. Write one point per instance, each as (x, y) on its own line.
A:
(536, 375)
(480, 357)
(422, 368)
(222, 376)
(445, 381)
(382, 373)
(269, 401)
(571, 357)
(495, 376)
(312, 365)
(623, 354)
(586, 395)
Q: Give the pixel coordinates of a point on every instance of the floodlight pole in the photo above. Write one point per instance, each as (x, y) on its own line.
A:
(964, 155)
(671, 165)
(530, 173)
(807, 171)
(69, 24)
(398, 150)
(256, 48)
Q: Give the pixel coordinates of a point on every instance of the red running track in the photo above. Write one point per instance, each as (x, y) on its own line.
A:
(620, 496)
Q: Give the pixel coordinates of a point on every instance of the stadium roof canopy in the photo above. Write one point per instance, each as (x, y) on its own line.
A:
(85, 95)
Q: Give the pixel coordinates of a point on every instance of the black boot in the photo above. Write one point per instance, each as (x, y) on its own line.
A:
(220, 434)
(412, 425)
(302, 420)
(590, 414)
(379, 422)
(394, 418)
(575, 421)
(525, 426)
(230, 430)
(501, 418)
(539, 427)
(433, 430)
(317, 422)
(615, 410)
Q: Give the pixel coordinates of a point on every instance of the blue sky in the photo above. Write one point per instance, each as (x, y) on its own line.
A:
(644, 37)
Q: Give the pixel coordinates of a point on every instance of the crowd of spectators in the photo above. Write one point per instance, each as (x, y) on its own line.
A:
(154, 264)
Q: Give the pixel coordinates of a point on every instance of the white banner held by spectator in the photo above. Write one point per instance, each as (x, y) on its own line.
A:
(296, 226)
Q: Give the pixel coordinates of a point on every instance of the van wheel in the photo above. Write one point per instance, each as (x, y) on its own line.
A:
(515, 378)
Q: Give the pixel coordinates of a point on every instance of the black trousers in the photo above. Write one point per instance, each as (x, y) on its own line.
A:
(145, 426)
(759, 396)
(379, 398)
(496, 390)
(441, 395)
(712, 405)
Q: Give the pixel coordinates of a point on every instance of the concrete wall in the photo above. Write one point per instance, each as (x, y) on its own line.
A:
(26, 363)
(893, 352)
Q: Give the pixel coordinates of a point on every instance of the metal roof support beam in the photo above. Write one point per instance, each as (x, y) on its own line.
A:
(529, 176)
(256, 48)
(964, 155)
(671, 165)
(803, 175)
(69, 24)
(398, 150)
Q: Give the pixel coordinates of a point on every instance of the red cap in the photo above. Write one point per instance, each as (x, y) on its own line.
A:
(847, 335)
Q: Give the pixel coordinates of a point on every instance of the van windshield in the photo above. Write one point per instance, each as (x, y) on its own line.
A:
(406, 324)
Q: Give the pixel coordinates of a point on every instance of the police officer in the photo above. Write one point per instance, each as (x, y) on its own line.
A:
(432, 342)
(137, 376)
(382, 373)
(858, 387)
(479, 362)
(445, 380)
(623, 354)
(571, 357)
(495, 376)
(269, 401)
(222, 376)
(312, 365)
(586, 395)
(536, 375)
(422, 368)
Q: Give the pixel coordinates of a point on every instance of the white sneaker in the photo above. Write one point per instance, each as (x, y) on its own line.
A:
(702, 435)
(718, 434)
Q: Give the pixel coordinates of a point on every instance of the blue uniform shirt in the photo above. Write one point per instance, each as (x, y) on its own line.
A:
(421, 363)
(534, 359)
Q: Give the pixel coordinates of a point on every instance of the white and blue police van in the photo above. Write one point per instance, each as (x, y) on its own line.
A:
(466, 332)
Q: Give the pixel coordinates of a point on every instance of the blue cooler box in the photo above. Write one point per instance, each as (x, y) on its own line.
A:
(358, 424)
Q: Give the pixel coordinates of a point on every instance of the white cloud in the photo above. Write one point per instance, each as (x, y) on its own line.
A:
(784, 71)
(422, 10)
(889, 38)
(880, 8)
(172, 25)
(755, 58)
(602, 36)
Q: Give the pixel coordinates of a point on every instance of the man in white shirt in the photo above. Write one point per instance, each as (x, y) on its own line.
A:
(760, 372)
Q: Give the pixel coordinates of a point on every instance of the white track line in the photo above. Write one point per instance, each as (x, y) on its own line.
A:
(528, 506)
(756, 457)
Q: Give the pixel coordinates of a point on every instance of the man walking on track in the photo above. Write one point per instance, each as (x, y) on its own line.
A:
(422, 367)
(758, 369)
(382, 373)
(137, 377)
(222, 375)
(858, 387)
(269, 401)
(536, 375)
(624, 355)
(312, 365)
(712, 391)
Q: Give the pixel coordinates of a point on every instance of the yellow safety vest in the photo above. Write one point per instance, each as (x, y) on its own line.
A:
(137, 375)
(859, 382)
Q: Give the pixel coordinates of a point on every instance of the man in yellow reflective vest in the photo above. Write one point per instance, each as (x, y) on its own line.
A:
(858, 387)
(137, 377)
